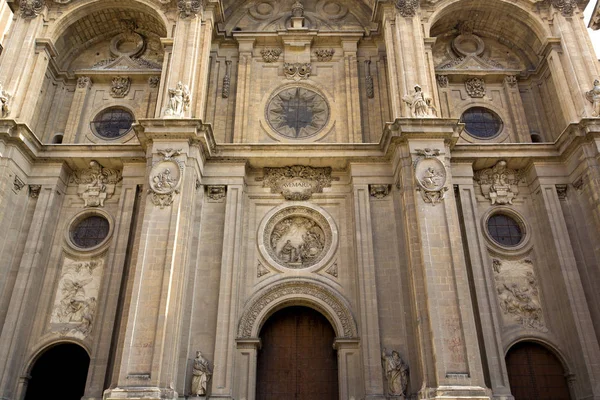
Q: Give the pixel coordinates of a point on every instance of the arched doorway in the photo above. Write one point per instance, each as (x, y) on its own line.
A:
(60, 372)
(535, 373)
(297, 360)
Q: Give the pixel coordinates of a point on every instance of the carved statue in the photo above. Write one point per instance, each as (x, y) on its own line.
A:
(593, 97)
(202, 374)
(4, 98)
(396, 372)
(420, 104)
(179, 101)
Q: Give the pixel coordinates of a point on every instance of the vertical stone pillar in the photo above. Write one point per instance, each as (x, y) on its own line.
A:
(242, 104)
(150, 364)
(483, 282)
(80, 103)
(449, 358)
(222, 383)
(352, 91)
(561, 83)
(348, 356)
(369, 313)
(517, 110)
(245, 385)
(31, 272)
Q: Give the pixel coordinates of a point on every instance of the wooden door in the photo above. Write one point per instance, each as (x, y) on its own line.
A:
(297, 360)
(535, 373)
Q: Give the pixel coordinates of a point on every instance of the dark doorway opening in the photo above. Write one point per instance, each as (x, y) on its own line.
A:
(297, 360)
(60, 372)
(535, 373)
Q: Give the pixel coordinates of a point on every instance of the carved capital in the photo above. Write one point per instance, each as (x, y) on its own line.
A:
(18, 184)
(189, 8)
(31, 8)
(34, 191)
(407, 8)
(442, 81)
(379, 191)
(566, 7)
(270, 55)
(561, 191)
(324, 54)
(216, 193)
(84, 81)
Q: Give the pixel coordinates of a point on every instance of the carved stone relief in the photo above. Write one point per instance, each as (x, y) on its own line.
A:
(407, 8)
(76, 297)
(270, 55)
(379, 191)
(499, 184)
(165, 178)
(34, 191)
(189, 8)
(566, 7)
(127, 49)
(311, 117)
(442, 81)
(593, 96)
(179, 101)
(261, 270)
(120, 86)
(226, 80)
(420, 104)
(18, 184)
(31, 8)
(561, 191)
(84, 81)
(324, 54)
(475, 87)
(153, 81)
(370, 88)
(297, 289)
(216, 193)
(430, 174)
(396, 372)
(518, 293)
(4, 102)
(511, 81)
(297, 237)
(333, 270)
(96, 184)
(297, 71)
(296, 182)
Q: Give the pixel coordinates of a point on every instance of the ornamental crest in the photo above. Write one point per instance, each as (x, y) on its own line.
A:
(120, 86)
(31, 8)
(499, 184)
(430, 174)
(189, 8)
(165, 178)
(296, 182)
(407, 8)
(297, 71)
(96, 184)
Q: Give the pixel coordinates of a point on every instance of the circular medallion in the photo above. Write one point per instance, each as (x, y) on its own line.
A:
(297, 113)
(298, 238)
(165, 177)
(430, 174)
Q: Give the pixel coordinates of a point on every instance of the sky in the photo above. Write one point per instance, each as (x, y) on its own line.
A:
(594, 34)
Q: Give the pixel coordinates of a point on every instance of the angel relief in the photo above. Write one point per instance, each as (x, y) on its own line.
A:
(297, 241)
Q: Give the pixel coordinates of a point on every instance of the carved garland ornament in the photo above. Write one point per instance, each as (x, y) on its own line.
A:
(298, 288)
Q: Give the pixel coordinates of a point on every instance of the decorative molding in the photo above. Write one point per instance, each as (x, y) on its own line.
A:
(31, 8)
(189, 8)
(379, 191)
(84, 82)
(96, 184)
(165, 178)
(518, 293)
(561, 191)
(18, 184)
(226, 80)
(407, 8)
(297, 182)
(34, 191)
(297, 71)
(370, 88)
(300, 290)
(270, 55)
(324, 55)
(216, 193)
(120, 86)
(333, 270)
(153, 81)
(499, 184)
(475, 87)
(430, 174)
(442, 81)
(261, 270)
(511, 81)
(566, 7)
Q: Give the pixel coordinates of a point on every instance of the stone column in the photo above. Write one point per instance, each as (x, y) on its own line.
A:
(352, 91)
(449, 358)
(222, 383)
(80, 103)
(369, 313)
(560, 80)
(149, 364)
(517, 111)
(245, 385)
(246, 45)
(31, 272)
(483, 281)
(348, 356)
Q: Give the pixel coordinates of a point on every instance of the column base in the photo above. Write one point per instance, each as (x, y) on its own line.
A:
(455, 392)
(140, 393)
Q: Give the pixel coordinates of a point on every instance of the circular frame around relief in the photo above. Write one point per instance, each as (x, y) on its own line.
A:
(163, 182)
(430, 174)
(307, 221)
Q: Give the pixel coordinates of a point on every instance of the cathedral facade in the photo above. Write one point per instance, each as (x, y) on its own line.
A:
(310, 200)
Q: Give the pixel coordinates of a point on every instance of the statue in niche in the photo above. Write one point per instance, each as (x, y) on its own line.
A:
(420, 104)
(593, 97)
(4, 98)
(396, 373)
(201, 375)
(179, 101)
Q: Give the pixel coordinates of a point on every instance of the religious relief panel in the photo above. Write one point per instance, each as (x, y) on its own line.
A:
(76, 298)
(499, 184)
(296, 182)
(430, 174)
(297, 238)
(518, 293)
(297, 113)
(96, 184)
(165, 178)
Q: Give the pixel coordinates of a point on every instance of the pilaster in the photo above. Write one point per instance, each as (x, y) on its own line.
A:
(79, 104)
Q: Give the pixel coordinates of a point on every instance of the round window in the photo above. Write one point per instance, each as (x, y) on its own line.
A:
(112, 123)
(90, 231)
(481, 122)
(505, 230)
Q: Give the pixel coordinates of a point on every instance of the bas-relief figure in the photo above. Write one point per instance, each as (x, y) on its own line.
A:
(420, 104)
(499, 184)
(165, 178)
(593, 96)
(201, 375)
(179, 101)
(297, 241)
(396, 372)
(430, 176)
(518, 293)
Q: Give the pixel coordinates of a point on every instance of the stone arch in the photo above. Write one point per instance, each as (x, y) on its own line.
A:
(47, 344)
(543, 340)
(305, 292)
